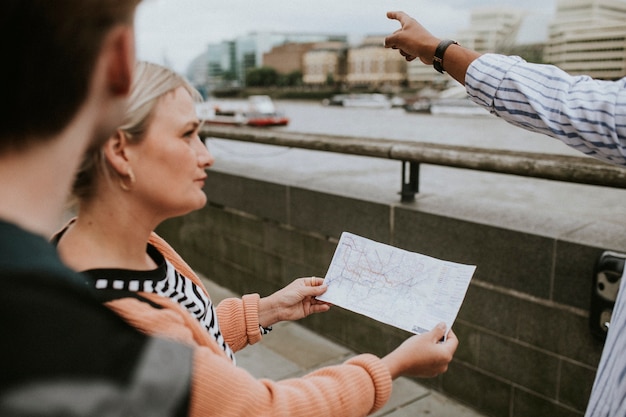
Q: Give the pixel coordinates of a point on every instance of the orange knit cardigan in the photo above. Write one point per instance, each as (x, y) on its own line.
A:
(357, 387)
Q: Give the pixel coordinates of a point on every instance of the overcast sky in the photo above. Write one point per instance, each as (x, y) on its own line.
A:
(180, 30)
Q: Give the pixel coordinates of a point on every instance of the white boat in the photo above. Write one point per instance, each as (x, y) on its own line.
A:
(455, 101)
(457, 106)
(259, 111)
(418, 106)
(373, 100)
(452, 101)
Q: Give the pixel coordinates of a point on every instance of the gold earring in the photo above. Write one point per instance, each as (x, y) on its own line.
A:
(131, 178)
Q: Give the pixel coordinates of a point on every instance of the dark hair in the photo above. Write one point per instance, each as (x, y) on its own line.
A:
(50, 48)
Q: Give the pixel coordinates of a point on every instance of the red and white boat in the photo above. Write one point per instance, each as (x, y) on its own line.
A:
(259, 111)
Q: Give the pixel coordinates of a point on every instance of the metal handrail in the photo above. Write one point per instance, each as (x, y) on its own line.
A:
(573, 169)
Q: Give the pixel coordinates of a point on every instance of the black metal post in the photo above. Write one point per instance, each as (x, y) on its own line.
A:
(410, 185)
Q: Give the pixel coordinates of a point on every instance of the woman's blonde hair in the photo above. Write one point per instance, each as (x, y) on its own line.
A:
(150, 83)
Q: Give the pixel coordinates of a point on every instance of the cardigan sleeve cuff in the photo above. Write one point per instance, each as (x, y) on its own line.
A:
(380, 376)
(251, 314)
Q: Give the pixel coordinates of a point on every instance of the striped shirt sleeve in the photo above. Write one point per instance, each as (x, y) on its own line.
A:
(586, 114)
(608, 396)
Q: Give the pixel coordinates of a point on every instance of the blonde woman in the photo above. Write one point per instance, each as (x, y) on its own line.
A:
(153, 168)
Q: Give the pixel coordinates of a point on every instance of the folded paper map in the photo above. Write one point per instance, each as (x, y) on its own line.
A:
(404, 289)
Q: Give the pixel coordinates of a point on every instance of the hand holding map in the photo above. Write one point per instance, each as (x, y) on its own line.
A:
(404, 289)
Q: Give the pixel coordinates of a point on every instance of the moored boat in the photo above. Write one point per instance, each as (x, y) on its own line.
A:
(418, 106)
(455, 101)
(457, 106)
(374, 100)
(452, 101)
(259, 111)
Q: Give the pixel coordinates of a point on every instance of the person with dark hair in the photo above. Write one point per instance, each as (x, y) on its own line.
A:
(586, 114)
(67, 71)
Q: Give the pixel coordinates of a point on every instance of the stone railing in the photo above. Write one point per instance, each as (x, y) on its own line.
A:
(575, 169)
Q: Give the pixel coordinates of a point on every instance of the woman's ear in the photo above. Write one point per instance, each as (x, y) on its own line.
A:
(116, 152)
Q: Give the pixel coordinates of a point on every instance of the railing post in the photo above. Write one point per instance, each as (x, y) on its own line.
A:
(410, 181)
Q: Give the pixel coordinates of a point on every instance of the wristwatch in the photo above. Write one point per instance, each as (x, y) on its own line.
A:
(441, 49)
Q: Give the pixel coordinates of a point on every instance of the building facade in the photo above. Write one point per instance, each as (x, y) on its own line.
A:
(198, 72)
(420, 76)
(371, 65)
(325, 64)
(234, 58)
(287, 58)
(221, 66)
(585, 37)
(589, 37)
(491, 29)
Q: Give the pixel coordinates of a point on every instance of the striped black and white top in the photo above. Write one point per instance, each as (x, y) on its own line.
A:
(165, 281)
(590, 116)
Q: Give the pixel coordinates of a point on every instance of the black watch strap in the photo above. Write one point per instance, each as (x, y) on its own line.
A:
(441, 49)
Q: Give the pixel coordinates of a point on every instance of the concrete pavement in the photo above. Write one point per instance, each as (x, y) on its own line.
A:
(292, 350)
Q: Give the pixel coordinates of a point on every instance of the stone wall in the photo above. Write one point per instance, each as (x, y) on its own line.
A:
(525, 349)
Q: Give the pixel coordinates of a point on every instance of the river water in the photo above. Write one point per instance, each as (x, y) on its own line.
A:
(485, 131)
(461, 192)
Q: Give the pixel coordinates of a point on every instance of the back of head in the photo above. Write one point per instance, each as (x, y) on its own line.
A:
(50, 49)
